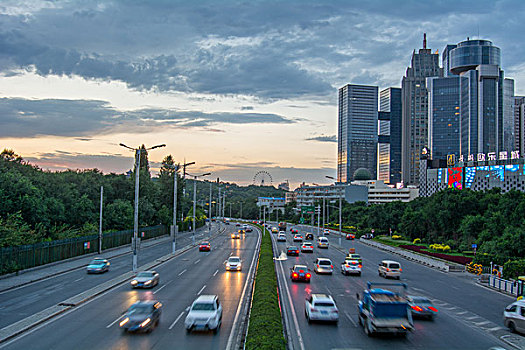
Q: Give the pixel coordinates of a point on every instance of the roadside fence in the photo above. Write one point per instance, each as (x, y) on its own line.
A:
(26, 256)
(510, 287)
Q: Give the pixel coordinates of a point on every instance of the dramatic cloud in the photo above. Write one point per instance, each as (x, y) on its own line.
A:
(28, 118)
(323, 138)
(234, 47)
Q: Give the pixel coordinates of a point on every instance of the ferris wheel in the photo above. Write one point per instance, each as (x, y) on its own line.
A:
(263, 178)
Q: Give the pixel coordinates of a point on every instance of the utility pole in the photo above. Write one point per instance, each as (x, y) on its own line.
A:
(100, 220)
(318, 218)
(241, 210)
(209, 211)
(194, 207)
(340, 213)
(175, 228)
(230, 210)
(219, 201)
(134, 241)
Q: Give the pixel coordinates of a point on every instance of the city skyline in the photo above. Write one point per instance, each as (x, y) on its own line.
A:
(231, 86)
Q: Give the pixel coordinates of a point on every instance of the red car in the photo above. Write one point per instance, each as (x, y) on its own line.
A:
(300, 273)
(204, 247)
(350, 236)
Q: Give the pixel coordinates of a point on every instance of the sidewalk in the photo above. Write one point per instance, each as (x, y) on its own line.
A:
(38, 273)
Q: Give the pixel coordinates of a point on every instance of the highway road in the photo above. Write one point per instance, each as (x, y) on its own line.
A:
(470, 316)
(94, 324)
(18, 303)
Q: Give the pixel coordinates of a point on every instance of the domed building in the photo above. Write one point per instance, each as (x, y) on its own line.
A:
(362, 174)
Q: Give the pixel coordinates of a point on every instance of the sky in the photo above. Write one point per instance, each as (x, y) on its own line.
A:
(236, 86)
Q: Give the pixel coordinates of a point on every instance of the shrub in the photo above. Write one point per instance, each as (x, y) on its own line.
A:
(396, 237)
(265, 329)
(416, 241)
(513, 269)
(420, 249)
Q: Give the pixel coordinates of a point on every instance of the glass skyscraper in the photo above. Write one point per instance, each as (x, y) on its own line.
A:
(357, 131)
(443, 116)
(389, 142)
(424, 64)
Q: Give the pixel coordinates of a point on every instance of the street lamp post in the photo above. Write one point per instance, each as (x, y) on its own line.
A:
(195, 202)
(340, 208)
(209, 212)
(136, 215)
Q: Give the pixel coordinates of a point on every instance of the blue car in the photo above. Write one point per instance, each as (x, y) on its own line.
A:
(98, 265)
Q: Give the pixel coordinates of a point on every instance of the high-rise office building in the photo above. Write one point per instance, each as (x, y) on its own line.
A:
(357, 131)
(424, 64)
(443, 116)
(486, 110)
(389, 142)
(519, 124)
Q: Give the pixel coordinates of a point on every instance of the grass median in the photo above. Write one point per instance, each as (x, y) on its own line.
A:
(265, 330)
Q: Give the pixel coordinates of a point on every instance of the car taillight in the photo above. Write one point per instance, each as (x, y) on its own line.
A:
(295, 274)
(400, 269)
(387, 270)
(314, 310)
(359, 266)
(308, 275)
(417, 308)
(332, 266)
(432, 308)
(347, 265)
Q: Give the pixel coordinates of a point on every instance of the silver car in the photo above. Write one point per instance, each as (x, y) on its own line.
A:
(323, 265)
(321, 307)
(514, 316)
(146, 279)
(205, 314)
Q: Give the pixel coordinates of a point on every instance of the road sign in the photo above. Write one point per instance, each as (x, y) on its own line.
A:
(307, 209)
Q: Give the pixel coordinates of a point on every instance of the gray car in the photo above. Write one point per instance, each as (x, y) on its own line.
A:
(422, 307)
(514, 316)
(323, 265)
(145, 279)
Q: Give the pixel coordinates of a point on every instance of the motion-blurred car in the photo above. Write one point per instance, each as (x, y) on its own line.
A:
(354, 256)
(242, 231)
(389, 268)
(204, 247)
(237, 224)
(322, 242)
(350, 236)
(205, 314)
(300, 273)
(294, 230)
(326, 232)
(98, 265)
(321, 307)
(249, 229)
(351, 267)
(422, 307)
(307, 247)
(143, 316)
(292, 250)
(233, 263)
(146, 279)
(281, 238)
(309, 236)
(274, 229)
(236, 235)
(367, 236)
(297, 238)
(323, 265)
(514, 316)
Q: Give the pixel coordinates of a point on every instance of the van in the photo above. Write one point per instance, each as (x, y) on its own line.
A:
(322, 242)
(389, 268)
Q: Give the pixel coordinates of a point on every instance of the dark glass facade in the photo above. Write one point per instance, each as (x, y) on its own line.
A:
(390, 102)
(471, 53)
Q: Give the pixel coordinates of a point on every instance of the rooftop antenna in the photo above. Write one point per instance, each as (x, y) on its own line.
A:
(424, 40)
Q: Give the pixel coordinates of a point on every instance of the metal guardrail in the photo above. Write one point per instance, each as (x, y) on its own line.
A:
(409, 255)
(510, 287)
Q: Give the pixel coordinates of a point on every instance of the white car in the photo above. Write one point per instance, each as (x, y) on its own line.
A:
(351, 267)
(307, 247)
(281, 237)
(205, 314)
(389, 268)
(323, 265)
(322, 242)
(514, 316)
(326, 232)
(233, 263)
(321, 307)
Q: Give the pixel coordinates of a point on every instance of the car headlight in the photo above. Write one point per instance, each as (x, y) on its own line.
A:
(148, 282)
(124, 321)
(145, 323)
(239, 266)
(134, 282)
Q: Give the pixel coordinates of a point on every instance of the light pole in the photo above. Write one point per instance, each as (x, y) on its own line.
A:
(100, 220)
(195, 201)
(209, 212)
(136, 215)
(175, 228)
(340, 208)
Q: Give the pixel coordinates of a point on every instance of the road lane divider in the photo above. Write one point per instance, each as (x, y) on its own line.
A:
(176, 320)
(196, 262)
(112, 323)
(182, 272)
(200, 291)
(215, 273)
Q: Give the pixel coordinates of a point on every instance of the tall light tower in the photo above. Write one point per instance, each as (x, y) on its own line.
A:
(195, 201)
(136, 215)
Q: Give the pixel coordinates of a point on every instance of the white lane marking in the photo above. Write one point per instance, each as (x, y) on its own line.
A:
(351, 319)
(182, 272)
(462, 313)
(482, 323)
(196, 262)
(472, 317)
(164, 285)
(235, 323)
(79, 279)
(299, 336)
(188, 308)
(215, 273)
(493, 329)
(112, 323)
(329, 292)
(200, 291)
(176, 320)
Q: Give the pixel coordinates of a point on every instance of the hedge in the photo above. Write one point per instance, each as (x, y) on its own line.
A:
(454, 258)
(265, 330)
